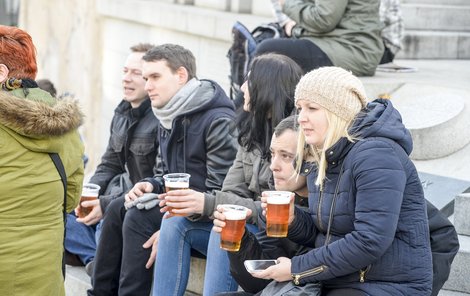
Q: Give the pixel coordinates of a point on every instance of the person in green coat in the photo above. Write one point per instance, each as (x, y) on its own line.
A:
(32, 125)
(342, 33)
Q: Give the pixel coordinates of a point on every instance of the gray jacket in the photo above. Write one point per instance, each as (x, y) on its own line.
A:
(246, 179)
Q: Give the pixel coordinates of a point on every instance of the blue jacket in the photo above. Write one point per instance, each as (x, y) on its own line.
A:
(201, 142)
(379, 233)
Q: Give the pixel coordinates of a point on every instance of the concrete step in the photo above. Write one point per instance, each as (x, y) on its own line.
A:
(435, 45)
(461, 210)
(448, 2)
(77, 282)
(437, 117)
(431, 17)
(451, 293)
(460, 270)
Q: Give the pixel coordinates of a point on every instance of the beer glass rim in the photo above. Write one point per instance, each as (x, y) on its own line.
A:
(234, 206)
(176, 175)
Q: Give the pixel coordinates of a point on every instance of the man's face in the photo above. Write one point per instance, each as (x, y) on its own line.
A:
(283, 150)
(132, 81)
(162, 84)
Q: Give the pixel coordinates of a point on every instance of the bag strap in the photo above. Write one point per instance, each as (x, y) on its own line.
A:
(63, 176)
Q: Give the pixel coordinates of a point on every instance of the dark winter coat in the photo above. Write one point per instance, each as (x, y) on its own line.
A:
(201, 142)
(379, 230)
(131, 151)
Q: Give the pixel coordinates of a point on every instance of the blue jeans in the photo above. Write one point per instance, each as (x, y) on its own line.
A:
(81, 239)
(178, 236)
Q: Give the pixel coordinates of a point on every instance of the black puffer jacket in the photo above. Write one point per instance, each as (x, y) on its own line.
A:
(131, 150)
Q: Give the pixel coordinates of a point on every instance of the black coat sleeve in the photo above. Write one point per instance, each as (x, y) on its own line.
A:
(444, 246)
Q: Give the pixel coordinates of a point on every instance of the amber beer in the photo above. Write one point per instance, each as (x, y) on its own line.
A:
(277, 213)
(231, 236)
(89, 192)
(177, 181)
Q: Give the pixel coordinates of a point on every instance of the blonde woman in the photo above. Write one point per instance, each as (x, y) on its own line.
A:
(367, 220)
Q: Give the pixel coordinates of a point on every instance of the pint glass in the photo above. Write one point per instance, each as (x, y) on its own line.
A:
(277, 213)
(176, 181)
(231, 236)
(89, 192)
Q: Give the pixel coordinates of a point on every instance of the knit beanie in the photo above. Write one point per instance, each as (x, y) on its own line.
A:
(335, 89)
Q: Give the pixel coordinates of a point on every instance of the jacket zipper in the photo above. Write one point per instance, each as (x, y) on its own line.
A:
(320, 224)
(296, 277)
(362, 274)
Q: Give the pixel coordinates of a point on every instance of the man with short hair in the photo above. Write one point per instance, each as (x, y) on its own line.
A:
(129, 157)
(196, 135)
(260, 246)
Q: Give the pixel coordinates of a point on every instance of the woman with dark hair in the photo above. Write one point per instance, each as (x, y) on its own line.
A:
(33, 126)
(269, 97)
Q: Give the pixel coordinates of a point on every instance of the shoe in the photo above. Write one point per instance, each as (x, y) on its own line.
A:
(72, 259)
(89, 267)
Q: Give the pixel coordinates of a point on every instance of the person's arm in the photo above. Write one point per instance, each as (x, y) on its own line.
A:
(74, 174)
(444, 246)
(380, 183)
(320, 16)
(110, 166)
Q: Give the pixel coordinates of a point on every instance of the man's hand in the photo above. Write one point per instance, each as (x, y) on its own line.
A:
(152, 242)
(182, 202)
(288, 27)
(264, 206)
(138, 190)
(95, 215)
(280, 272)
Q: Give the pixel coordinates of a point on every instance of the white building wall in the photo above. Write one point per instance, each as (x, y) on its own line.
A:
(82, 45)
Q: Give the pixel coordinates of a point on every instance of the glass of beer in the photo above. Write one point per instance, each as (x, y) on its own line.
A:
(232, 233)
(277, 213)
(176, 181)
(89, 192)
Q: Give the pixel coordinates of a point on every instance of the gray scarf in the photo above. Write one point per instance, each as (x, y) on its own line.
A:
(177, 105)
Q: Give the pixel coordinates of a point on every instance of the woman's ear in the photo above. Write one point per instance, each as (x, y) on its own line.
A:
(3, 73)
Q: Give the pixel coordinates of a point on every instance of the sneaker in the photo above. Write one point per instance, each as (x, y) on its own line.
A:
(89, 267)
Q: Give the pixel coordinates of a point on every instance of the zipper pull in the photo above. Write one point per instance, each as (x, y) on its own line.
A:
(362, 277)
(296, 279)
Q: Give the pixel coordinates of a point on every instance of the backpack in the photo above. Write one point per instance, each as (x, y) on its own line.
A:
(243, 48)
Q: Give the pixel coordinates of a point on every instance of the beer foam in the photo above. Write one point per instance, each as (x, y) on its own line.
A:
(278, 197)
(235, 215)
(176, 184)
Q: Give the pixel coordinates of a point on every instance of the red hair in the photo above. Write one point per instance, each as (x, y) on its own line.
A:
(17, 52)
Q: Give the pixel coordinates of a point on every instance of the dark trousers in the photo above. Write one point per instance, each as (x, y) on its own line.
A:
(119, 267)
(304, 52)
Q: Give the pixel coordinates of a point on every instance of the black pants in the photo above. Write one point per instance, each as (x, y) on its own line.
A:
(304, 52)
(119, 267)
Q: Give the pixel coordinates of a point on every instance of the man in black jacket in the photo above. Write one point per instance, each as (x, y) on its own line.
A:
(196, 136)
(129, 157)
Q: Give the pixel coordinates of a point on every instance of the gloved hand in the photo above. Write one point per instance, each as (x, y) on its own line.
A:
(146, 201)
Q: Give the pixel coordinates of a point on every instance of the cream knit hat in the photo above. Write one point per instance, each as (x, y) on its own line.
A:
(335, 89)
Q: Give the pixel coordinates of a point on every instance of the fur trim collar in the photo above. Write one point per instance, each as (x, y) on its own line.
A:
(35, 118)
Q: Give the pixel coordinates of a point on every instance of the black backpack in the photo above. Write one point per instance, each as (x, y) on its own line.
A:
(243, 48)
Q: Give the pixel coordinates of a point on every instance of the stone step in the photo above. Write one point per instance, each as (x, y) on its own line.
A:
(460, 270)
(451, 293)
(435, 45)
(448, 2)
(461, 210)
(431, 17)
(437, 117)
(77, 282)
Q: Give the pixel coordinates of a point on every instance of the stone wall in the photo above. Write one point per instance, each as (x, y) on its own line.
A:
(82, 45)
